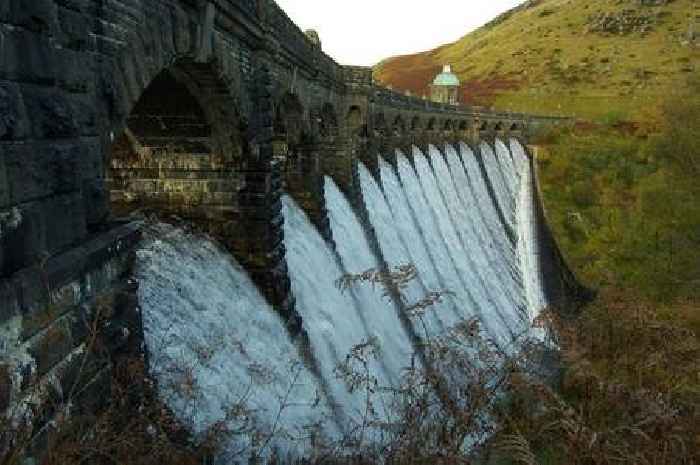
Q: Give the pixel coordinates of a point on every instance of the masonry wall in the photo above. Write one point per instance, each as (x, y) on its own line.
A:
(79, 147)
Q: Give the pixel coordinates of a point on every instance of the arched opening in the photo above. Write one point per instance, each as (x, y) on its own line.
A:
(289, 133)
(447, 126)
(431, 124)
(172, 156)
(399, 126)
(415, 123)
(463, 125)
(484, 126)
(355, 122)
(514, 127)
(380, 127)
(327, 121)
(289, 120)
(498, 127)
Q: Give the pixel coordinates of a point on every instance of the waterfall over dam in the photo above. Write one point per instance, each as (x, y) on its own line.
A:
(465, 219)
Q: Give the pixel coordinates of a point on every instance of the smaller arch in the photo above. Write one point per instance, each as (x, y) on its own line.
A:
(415, 123)
(484, 126)
(399, 127)
(327, 121)
(355, 122)
(289, 119)
(431, 124)
(447, 125)
(379, 121)
(514, 127)
(463, 125)
(498, 127)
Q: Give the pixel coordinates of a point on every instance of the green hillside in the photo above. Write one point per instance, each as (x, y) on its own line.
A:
(594, 59)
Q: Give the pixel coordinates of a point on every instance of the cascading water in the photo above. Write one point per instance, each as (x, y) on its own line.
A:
(468, 226)
(503, 192)
(400, 241)
(215, 345)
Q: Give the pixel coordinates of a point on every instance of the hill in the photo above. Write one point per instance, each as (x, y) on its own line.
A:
(595, 59)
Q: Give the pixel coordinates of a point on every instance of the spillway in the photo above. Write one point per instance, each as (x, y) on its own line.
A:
(466, 220)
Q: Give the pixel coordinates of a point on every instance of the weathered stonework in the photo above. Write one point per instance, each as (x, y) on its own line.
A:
(201, 109)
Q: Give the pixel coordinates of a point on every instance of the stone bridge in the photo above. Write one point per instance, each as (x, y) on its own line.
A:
(207, 110)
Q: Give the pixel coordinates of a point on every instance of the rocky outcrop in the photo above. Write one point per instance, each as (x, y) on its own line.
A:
(624, 22)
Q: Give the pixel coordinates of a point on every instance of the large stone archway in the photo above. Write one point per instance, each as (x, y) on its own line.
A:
(180, 150)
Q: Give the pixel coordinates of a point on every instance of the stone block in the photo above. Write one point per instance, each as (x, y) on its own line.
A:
(74, 71)
(83, 108)
(47, 226)
(13, 116)
(39, 170)
(52, 114)
(66, 216)
(96, 201)
(37, 15)
(73, 29)
(91, 161)
(26, 56)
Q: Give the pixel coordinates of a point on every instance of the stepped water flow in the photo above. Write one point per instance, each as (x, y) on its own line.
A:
(401, 242)
(466, 222)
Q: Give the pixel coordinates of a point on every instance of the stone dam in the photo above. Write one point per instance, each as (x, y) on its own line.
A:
(290, 170)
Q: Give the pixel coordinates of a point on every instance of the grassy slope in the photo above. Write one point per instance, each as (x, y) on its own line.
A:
(541, 60)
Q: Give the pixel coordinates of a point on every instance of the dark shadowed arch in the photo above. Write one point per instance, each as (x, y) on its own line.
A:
(431, 124)
(184, 120)
(327, 121)
(379, 123)
(463, 125)
(415, 123)
(289, 120)
(355, 122)
(399, 126)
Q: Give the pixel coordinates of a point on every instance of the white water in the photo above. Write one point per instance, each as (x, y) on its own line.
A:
(213, 343)
(378, 312)
(201, 312)
(528, 237)
(504, 193)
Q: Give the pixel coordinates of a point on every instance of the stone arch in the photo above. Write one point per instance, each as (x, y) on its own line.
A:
(399, 126)
(184, 119)
(355, 122)
(327, 121)
(415, 123)
(484, 126)
(463, 125)
(498, 126)
(289, 123)
(447, 125)
(87, 105)
(431, 124)
(379, 123)
(514, 127)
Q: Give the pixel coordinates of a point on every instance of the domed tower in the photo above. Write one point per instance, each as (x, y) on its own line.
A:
(445, 87)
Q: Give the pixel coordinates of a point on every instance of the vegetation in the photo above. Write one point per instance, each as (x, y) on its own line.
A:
(564, 57)
(624, 206)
